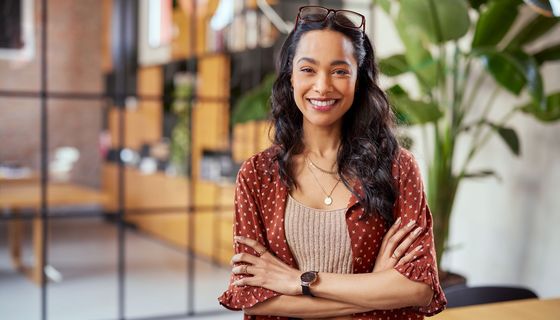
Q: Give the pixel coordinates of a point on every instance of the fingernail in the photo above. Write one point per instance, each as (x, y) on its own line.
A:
(238, 238)
(417, 230)
(411, 223)
(398, 222)
(419, 248)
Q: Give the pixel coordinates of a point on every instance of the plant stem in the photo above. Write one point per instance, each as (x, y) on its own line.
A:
(476, 145)
(455, 116)
(500, 124)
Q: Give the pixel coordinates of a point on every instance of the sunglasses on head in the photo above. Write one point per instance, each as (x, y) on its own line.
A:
(343, 18)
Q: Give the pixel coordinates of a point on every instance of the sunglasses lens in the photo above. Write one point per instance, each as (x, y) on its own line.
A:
(348, 19)
(313, 13)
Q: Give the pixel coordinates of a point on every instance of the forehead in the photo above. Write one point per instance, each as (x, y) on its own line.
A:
(325, 46)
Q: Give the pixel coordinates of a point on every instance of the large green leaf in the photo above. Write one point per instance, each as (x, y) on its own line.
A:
(392, 93)
(550, 113)
(532, 75)
(494, 22)
(385, 5)
(482, 174)
(551, 53)
(254, 105)
(533, 30)
(416, 53)
(504, 69)
(475, 4)
(394, 65)
(439, 21)
(513, 70)
(509, 136)
(411, 111)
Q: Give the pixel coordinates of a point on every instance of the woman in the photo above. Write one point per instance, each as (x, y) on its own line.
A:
(332, 221)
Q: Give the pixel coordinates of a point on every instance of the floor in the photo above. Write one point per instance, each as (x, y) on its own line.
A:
(84, 251)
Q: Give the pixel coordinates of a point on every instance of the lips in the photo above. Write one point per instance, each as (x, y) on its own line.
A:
(322, 104)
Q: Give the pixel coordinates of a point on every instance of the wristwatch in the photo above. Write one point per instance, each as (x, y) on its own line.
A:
(307, 278)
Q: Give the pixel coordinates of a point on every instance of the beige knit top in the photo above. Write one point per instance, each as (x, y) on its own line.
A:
(318, 239)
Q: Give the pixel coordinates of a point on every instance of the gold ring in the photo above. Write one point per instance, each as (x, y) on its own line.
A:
(263, 251)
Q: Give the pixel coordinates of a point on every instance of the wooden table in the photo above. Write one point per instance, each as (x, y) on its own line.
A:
(529, 309)
(33, 178)
(15, 197)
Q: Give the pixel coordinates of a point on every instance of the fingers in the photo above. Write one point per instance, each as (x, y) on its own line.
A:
(254, 244)
(411, 255)
(406, 243)
(390, 233)
(244, 257)
(242, 269)
(248, 281)
(396, 239)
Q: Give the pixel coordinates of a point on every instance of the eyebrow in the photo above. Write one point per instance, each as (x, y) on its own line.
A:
(334, 63)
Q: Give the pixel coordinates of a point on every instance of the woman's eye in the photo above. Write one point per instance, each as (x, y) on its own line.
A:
(306, 70)
(341, 72)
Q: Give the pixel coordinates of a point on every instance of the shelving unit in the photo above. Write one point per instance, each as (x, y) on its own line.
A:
(169, 207)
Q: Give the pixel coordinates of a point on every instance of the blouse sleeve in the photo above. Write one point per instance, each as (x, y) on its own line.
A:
(248, 223)
(412, 205)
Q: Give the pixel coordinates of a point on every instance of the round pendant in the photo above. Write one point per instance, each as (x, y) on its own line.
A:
(328, 201)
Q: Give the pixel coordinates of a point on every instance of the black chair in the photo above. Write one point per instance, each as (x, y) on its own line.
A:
(462, 295)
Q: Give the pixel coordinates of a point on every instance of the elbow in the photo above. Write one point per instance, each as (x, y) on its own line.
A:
(249, 311)
(423, 296)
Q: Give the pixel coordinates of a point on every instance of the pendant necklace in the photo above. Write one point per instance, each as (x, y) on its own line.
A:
(328, 196)
(319, 168)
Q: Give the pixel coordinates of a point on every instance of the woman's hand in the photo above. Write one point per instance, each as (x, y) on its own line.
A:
(393, 246)
(267, 271)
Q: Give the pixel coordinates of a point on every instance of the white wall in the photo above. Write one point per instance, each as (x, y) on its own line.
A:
(507, 232)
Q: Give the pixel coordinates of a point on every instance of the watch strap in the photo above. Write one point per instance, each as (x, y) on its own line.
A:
(306, 290)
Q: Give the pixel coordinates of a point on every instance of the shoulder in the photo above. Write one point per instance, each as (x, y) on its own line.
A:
(405, 157)
(260, 164)
(405, 163)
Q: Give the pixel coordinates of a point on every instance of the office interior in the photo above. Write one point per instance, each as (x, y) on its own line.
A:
(121, 132)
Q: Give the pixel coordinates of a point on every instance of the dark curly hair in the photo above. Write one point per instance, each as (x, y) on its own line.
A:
(368, 144)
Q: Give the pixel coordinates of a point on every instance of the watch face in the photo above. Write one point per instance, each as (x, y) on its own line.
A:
(309, 276)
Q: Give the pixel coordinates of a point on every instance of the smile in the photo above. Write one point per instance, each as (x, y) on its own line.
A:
(323, 105)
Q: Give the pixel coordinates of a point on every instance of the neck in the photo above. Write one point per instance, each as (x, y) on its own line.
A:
(322, 141)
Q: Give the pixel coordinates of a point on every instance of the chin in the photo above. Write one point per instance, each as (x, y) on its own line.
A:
(322, 121)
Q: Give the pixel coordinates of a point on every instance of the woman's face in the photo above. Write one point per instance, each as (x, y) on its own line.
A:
(324, 76)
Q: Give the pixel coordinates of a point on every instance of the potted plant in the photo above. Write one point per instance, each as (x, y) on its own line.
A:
(444, 41)
(180, 134)
(249, 119)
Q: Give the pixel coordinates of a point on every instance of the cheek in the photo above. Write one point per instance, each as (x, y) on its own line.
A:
(347, 88)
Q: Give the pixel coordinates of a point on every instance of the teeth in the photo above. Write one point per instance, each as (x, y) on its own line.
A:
(322, 103)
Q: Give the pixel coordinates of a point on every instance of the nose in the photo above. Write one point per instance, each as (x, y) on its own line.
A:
(322, 84)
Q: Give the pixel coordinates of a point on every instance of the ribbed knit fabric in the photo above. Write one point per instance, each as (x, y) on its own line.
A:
(318, 239)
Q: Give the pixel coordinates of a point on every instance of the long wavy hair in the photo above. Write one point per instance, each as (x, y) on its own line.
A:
(368, 143)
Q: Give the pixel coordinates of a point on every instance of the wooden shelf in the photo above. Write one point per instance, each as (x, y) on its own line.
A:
(150, 197)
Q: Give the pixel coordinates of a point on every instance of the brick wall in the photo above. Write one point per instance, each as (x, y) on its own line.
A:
(74, 65)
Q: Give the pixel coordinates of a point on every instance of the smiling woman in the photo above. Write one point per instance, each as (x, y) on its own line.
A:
(332, 221)
(324, 78)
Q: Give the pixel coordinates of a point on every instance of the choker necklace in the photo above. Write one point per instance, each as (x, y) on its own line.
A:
(328, 199)
(319, 168)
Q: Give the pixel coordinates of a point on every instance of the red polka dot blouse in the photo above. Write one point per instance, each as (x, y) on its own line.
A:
(260, 203)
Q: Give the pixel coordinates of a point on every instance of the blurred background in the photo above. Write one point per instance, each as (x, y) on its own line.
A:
(123, 124)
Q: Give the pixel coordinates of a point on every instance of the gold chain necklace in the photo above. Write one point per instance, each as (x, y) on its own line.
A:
(328, 199)
(319, 168)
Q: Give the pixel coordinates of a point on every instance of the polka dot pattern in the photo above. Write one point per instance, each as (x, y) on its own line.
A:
(260, 203)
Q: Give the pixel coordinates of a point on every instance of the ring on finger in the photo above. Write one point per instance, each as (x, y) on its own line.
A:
(394, 256)
(263, 251)
(244, 269)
